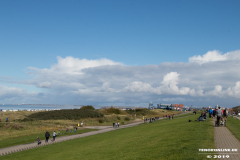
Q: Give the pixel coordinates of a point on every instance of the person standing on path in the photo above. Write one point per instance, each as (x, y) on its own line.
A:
(116, 124)
(54, 135)
(47, 135)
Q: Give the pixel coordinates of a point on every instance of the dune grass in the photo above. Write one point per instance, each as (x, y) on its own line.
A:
(175, 139)
(233, 125)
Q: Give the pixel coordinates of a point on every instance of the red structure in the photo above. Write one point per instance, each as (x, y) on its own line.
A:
(178, 105)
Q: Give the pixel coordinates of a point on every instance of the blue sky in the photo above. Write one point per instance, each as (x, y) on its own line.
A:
(132, 33)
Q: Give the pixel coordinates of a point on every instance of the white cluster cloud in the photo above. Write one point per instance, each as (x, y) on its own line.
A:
(212, 56)
(231, 91)
(70, 65)
(168, 87)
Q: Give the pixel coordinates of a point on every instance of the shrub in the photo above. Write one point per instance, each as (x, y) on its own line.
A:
(26, 120)
(65, 114)
(122, 123)
(127, 119)
(139, 111)
(113, 110)
(100, 120)
(119, 118)
(16, 126)
(89, 107)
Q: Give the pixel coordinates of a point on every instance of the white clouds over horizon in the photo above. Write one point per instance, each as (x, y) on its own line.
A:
(105, 81)
(213, 56)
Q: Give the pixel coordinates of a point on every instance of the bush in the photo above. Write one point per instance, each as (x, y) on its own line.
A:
(113, 110)
(119, 118)
(127, 119)
(140, 112)
(89, 107)
(16, 126)
(122, 123)
(100, 120)
(65, 114)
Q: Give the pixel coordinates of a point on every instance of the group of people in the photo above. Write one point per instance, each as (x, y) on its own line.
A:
(216, 112)
(47, 135)
(169, 116)
(150, 119)
(221, 115)
(116, 124)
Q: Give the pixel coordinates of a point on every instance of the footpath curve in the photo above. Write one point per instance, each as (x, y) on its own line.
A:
(22, 147)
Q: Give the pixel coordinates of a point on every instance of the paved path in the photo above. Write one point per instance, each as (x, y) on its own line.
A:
(224, 139)
(102, 129)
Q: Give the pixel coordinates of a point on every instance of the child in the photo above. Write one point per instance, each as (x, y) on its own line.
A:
(38, 139)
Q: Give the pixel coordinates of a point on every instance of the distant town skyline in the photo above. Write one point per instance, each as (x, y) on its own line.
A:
(122, 53)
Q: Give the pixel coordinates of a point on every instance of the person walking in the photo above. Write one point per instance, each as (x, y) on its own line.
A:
(118, 124)
(225, 114)
(54, 135)
(214, 113)
(38, 139)
(210, 111)
(219, 115)
(47, 135)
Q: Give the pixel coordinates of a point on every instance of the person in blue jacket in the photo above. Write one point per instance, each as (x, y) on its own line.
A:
(210, 111)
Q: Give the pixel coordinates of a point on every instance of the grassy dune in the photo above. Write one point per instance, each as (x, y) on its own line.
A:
(169, 139)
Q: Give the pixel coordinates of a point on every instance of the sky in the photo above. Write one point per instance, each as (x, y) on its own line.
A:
(121, 53)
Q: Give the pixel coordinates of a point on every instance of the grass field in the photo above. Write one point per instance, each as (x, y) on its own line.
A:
(33, 138)
(233, 125)
(168, 139)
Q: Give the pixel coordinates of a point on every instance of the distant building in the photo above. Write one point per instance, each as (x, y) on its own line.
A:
(150, 105)
(170, 106)
(164, 106)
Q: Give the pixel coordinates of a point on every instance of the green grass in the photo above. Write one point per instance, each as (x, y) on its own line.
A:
(175, 139)
(33, 138)
(233, 125)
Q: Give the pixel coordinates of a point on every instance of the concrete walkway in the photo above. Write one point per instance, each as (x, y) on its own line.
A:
(224, 139)
(102, 129)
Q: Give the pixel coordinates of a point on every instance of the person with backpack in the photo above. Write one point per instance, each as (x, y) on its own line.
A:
(47, 135)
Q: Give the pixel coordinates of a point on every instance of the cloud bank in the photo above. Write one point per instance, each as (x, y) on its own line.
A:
(206, 79)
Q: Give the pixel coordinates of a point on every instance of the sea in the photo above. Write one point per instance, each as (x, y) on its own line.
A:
(37, 107)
